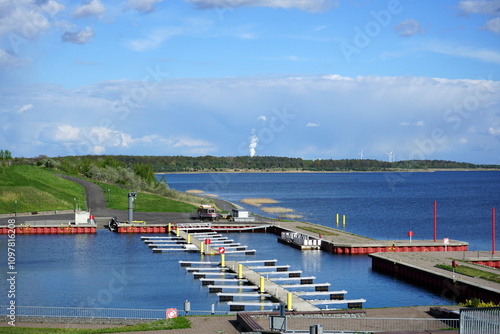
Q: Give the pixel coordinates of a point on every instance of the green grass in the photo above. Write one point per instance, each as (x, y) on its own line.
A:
(37, 189)
(473, 272)
(316, 230)
(117, 199)
(165, 324)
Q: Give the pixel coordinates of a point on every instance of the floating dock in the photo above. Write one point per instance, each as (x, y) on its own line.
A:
(237, 286)
(340, 242)
(144, 227)
(208, 243)
(83, 224)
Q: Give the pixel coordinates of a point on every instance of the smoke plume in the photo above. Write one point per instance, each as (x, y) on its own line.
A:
(253, 143)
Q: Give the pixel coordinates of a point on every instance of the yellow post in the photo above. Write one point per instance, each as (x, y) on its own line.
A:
(169, 228)
(343, 220)
(240, 270)
(189, 238)
(289, 306)
(202, 247)
(222, 260)
(177, 231)
(262, 287)
(337, 219)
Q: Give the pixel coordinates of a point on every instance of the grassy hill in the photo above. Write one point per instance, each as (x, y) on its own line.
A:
(37, 189)
(117, 198)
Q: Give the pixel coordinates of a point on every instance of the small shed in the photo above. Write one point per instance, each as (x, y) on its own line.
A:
(240, 213)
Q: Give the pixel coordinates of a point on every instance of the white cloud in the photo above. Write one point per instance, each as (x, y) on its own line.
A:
(27, 18)
(408, 27)
(313, 6)
(100, 140)
(480, 7)
(24, 108)
(9, 61)
(486, 55)
(191, 114)
(153, 40)
(91, 8)
(78, 37)
(66, 133)
(494, 131)
(463, 141)
(493, 25)
(144, 6)
(418, 123)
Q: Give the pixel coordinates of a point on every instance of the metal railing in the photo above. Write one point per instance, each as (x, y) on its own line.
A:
(97, 313)
(484, 320)
(367, 325)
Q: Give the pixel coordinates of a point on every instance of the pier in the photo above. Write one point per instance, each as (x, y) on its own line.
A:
(420, 268)
(298, 235)
(240, 285)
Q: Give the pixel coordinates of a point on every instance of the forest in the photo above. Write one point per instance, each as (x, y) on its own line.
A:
(146, 166)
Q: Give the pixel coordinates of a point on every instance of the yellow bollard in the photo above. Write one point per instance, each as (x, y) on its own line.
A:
(202, 247)
(289, 306)
(262, 287)
(169, 228)
(189, 238)
(240, 270)
(343, 220)
(337, 219)
(222, 260)
(177, 231)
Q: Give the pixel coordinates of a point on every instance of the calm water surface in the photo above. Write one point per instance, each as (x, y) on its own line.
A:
(111, 270)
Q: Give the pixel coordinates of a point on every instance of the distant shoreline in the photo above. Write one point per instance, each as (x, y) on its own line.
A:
(432, 170)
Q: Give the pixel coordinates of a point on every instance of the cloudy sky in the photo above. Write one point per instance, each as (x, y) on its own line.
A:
(316, 79)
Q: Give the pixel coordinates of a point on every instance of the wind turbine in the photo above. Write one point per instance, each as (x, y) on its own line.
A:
(361, 155)
(391, 158)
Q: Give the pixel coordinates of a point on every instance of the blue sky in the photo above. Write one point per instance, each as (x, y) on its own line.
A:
(315, 79)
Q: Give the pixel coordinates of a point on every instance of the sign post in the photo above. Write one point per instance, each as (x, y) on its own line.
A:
(222, 251)
(410, 234)
(446, 241)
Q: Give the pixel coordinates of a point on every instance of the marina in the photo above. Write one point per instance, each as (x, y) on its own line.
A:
(75, 254)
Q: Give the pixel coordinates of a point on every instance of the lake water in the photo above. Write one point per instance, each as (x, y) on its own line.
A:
(376, 205)
(112, 270)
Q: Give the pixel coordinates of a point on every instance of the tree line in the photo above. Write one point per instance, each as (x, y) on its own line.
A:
(147, 166)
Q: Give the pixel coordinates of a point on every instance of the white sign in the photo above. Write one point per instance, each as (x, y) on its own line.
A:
(446, 241)
(171, 313)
